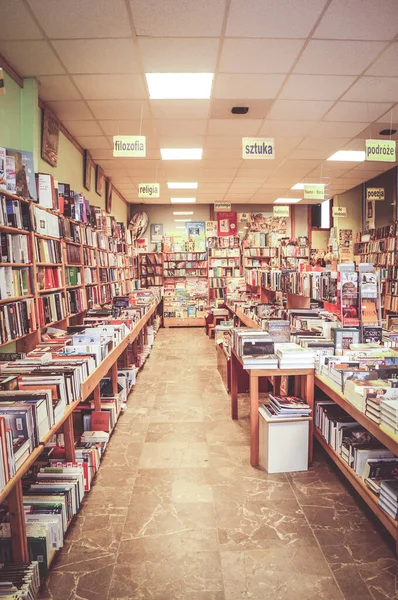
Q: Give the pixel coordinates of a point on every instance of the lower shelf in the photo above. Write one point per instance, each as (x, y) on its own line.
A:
(359, 485)
(174, 322)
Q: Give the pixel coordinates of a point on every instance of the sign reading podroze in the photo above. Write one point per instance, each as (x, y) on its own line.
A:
(149, 190)
(258, 148)
(375, 194)
(222, 206)
(281, 211)
(380, 150)
(339, 211)
(133, 146)
(314, 191)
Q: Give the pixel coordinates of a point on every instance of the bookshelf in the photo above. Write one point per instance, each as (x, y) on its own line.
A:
(222, 264)
(57, 262)
(151, 269)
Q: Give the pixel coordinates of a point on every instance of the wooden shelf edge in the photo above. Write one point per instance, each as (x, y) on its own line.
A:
(359, 485)
(359, 416)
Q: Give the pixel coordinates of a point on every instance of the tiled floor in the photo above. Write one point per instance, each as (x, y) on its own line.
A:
(177, 513)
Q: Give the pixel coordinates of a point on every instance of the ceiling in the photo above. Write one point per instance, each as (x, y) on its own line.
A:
(317, 75)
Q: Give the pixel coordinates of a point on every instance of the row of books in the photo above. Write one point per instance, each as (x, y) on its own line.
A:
(15, 282)
(15, 248)
(17, 319)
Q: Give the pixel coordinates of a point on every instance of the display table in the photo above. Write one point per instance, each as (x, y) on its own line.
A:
(304, 384)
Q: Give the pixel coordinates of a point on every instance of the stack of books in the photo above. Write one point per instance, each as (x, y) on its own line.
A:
(255, 348)
(292, 356)
(389, 415)
(286, 407)
(20, 580)
(388, 499)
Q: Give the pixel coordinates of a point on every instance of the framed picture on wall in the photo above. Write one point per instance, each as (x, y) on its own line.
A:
(50, 138)
(87, 162)
(156, 232)
(99, 180)
(108, 196)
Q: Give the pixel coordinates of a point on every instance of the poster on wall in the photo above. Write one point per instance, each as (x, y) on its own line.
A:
(227, 223)
(196, 235)
(268, 223)
(211, 229)
(345, 246)
(370, 218)
(142, 245)
(156, 232)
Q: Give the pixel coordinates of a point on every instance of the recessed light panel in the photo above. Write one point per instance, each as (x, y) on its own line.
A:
(182, 200)
(179, 86)
(348, 156)
(181, 153)
(181, 185)
(287, 200)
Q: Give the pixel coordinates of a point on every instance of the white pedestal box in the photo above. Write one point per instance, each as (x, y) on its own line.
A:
(283, 443)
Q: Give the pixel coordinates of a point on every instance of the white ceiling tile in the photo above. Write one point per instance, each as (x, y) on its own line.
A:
(111, 87)
(373, 131)
(307, 154)
(331, 57)
(221, 108)
(71, 111)
(180, 127)
(226, 153)
(286, 128)
(88, 19)
(16, 22)
(218, 175)
(387, 64)
(329, 129)
(316, 87)
(221, 163)
(178, 55)
(374, 89)
(180, 109)
(298, 110)
(98, 56)
(119, 109)
(246, 128)
(31, 58)
(258, 55)
(82, 128)
(58, 87)
(101, 153)
(123, 180)
(273, 18)
(189, 141)
(178, 18)
(90, 142)
(134, 127)
(247, 86)
(357, 111)
(210, 187)
(310, 143)
(359, 20)
(391, 115)
(216, 141)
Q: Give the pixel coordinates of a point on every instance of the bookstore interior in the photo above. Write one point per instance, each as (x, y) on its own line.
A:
(198, 375)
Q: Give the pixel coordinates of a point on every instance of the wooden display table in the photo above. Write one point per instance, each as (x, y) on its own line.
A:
(304, 384)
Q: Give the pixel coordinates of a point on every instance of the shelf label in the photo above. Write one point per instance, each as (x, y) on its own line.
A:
(149, 190)
(339, 211)
(258, 148)
(313, 191)
(281, 211)
(222, 206)
(129, 146)
(380, 150)
(375, 194)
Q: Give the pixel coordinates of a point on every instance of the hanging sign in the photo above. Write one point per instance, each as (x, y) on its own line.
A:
(258, 148)
(281, 211)
(339, 211)
(149, 190)
(375, 194)
(313, 191)
(222, 206)
(380, 150)
(129, 146)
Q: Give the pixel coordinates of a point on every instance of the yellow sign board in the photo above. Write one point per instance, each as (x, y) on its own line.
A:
(339, 211)
(314, 191)
(380, 150)
(133, 146)
(281, 211)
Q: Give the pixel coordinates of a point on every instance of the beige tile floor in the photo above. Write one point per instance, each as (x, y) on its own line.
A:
(177, 513)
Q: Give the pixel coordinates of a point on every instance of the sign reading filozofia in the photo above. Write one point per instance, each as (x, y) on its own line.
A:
(129, 146)
(258, 148)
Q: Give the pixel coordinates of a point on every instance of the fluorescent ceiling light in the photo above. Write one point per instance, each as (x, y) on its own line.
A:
(287, 200)
(348, 155)
(181, 153)
(179, 185)
(300, 186)
(189, 212)
(182, 200)
(182, 220)
(180, 226)
(179, 86)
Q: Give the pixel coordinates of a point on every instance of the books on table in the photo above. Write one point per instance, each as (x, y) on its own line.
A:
(286, 407)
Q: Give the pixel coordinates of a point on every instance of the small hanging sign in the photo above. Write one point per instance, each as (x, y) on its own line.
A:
(314, 191)
(258, 148)
(133, 146)
(339, 211)
(380, 150)
(149, 190)
(281, 211)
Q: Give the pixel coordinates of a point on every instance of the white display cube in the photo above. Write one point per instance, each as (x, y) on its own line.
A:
(283, 443)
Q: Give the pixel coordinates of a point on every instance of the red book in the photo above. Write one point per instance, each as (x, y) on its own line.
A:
(100, 420)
